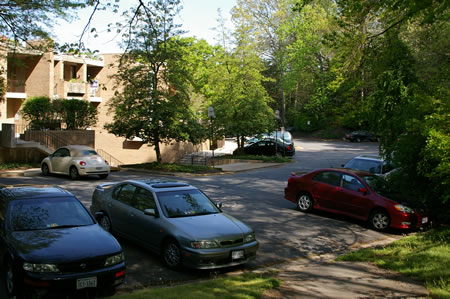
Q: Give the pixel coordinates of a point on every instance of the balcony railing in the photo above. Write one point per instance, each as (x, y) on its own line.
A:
(16, 86)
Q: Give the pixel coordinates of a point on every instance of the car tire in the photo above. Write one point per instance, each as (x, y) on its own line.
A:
(172, 254)
(379, 220)
(73, 173)
(45, 169)
(103, 176)
(105, 223)
(11, 286)
(304, 202)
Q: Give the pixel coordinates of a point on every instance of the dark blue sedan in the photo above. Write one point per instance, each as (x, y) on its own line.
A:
(51, 245)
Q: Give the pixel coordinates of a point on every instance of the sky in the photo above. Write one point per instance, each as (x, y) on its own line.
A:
(197, 17)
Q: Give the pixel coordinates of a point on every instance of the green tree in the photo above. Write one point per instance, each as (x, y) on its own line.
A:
(153, 102)
(39, 111)
(75, 113)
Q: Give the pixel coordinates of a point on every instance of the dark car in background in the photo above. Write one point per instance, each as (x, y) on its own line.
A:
(372, 164)
(176, 220)
(269, 147)
(52, 246)
(361, 135)
(357, 194)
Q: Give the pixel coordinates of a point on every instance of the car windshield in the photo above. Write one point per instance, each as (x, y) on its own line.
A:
(186, 203)
(38, 214)
(371, 166)
(379, 185)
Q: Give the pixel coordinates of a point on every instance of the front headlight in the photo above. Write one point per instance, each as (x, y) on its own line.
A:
(40, 268)
(404, 209)
(115, 259)
(204, 244)
(249, 238)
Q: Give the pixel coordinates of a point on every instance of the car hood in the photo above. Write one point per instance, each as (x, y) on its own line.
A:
(64, 244)
(214, 226)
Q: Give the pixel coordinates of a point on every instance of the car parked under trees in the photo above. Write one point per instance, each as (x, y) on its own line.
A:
(357, 194)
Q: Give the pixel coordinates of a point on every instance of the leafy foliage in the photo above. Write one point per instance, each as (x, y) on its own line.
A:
(46, 114)
(153, 102)
(75, 113)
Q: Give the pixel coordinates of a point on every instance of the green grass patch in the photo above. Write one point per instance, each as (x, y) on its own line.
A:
(169, 167)
(425, 256)
(266, 159)
(18, 166)
(250, 285)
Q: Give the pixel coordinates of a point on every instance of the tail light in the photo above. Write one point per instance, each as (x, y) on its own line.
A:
(82, 163)
(288, 148)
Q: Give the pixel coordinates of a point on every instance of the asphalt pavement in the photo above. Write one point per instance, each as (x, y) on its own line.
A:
(320, 276)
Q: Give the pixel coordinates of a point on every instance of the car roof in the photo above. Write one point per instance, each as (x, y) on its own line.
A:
(347, 170)
(33, 192)
(369, 157)
(162, 185)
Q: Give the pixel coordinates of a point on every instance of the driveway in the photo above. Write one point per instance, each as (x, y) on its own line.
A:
(255, 197)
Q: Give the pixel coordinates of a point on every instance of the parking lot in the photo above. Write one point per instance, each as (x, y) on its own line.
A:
(255, 197)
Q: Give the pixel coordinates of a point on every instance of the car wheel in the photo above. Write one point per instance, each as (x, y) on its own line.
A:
(379, 220)
(358, 139)
(10, 281)
(45, 170)
(172, 254)
(103, 176)
(304, 202)
(105, 223)
(73, 173)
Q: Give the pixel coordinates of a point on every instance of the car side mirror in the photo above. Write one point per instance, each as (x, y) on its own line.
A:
(99, 215)
(150, 212)
(362, 190)
(219, 205)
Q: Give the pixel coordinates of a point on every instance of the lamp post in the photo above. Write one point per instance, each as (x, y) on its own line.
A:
(277, 117)
(211, 116)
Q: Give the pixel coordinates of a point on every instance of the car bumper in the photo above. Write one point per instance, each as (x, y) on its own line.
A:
(409, 221)
(219, 257)
(93, 170)
(62, 284)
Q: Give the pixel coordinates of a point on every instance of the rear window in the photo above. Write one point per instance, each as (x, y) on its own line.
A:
(84, 153)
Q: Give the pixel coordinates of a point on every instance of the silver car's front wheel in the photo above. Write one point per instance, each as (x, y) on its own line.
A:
(172, 254)
(105, 222)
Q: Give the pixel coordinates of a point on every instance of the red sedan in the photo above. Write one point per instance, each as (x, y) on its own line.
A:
(354, 193)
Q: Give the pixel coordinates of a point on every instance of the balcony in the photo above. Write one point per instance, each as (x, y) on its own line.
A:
(16, 89)
(76, 87)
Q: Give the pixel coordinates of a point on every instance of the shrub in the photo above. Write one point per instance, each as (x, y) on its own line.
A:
(40, 112)
(77, 114)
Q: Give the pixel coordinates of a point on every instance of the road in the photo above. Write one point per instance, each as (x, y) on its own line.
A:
(257, 198)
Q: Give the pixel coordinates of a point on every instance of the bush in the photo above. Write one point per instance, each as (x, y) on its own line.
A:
(46, 114)
(77, 114)
(40, 112)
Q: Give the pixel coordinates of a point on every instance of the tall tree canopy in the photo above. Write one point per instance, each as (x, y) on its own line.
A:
(153, 100)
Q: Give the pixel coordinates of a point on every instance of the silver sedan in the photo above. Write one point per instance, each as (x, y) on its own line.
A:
(175, 220)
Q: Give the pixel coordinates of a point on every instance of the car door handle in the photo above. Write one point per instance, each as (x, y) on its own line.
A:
(132, 215)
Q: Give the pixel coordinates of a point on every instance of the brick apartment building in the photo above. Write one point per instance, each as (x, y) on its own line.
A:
(30, 73)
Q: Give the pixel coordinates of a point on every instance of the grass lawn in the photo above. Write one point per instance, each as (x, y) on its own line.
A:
(425, 256)
(250, 285)
(14, 166)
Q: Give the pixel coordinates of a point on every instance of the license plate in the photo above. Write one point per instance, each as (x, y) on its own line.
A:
(235, 255)
(89, 282)
(424, 220)
(98, 168)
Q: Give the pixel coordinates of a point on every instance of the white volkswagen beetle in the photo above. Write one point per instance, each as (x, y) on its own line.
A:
(75, 161)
